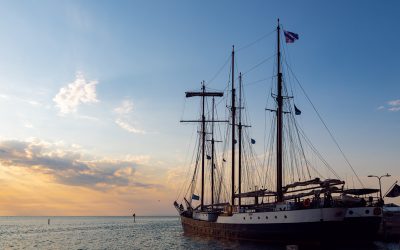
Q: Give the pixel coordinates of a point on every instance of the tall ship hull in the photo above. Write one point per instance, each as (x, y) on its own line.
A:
(324, 224)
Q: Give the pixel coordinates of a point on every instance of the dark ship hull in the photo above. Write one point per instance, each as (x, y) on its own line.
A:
(348, 230)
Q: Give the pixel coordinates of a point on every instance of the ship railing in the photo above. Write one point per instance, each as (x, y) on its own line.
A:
(218, 207)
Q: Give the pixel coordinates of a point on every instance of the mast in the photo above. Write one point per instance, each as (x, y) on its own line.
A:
(203, 143)
(203, 94)
(213, 141)
(240, 140)
(233, 126)
(279, 112)
(212, 154)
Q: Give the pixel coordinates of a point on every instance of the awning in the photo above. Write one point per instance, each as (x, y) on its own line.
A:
(361, 191)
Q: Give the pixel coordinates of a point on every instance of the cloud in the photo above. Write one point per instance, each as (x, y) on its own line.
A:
(394, 105)
(87, 117)
(28, 125)
(69, 167)
(4, 96)
(15, 98)
(394, 109)
(126, 107)
(140, 159)
(128, 127)
(78, 92)
(124, 117)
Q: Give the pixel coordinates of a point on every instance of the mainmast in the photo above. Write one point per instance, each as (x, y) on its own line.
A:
(279, 113)
(240, 140)
(233, 126)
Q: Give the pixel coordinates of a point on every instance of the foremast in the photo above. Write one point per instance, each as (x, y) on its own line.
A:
(203, 94)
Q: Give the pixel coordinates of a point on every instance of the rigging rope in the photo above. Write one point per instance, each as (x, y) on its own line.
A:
(258, 64)
(256, 41)
(219, 71)
(326, 127)
(237, 50)
(183, 184)
(261, 80)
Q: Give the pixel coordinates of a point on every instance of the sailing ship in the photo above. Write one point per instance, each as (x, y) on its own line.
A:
(308, 209)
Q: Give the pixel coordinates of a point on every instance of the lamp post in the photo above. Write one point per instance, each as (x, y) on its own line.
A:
(380, 186)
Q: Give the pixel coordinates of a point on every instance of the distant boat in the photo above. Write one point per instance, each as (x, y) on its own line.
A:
(310, 209)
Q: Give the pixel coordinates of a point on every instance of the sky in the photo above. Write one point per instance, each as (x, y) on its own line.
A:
(92, 92)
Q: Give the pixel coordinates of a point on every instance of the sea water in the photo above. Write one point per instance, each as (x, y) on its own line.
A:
(118, 233)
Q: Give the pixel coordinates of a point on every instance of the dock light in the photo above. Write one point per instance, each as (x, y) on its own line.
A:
(380, 186)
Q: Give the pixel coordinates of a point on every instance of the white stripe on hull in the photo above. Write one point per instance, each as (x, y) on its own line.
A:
(298, 216)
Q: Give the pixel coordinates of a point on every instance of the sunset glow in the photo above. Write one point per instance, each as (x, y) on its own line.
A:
(92, 92)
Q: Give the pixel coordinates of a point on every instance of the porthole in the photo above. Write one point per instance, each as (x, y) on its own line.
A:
(276, 217)
(367, 211)
(244, 218)
(266, 217)
(258, 217)
(251, 218)
(285, 217)
(351, 212)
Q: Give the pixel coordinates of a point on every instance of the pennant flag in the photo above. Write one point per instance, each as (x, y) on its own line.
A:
(297, 111)
(290, 36)
(395, 192)
(195, 197)
(208, 157)
(253, 141)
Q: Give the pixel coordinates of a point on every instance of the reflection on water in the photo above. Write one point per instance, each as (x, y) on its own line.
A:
(123, 233)
(228, 244)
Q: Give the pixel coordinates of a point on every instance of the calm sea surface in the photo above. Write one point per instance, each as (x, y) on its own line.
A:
(116, 233)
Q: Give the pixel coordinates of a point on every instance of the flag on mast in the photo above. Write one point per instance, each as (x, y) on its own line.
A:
(290, 36)
(297, 111)
(395, 192)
